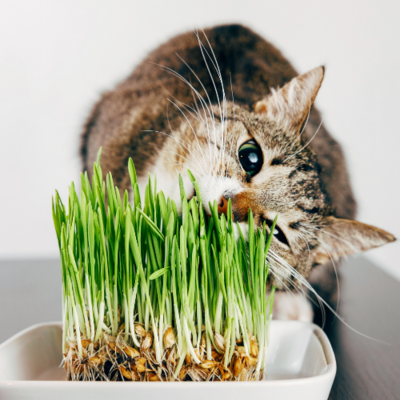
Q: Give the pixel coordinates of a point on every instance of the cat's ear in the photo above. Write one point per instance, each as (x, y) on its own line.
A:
(291, 104)
(342, 237)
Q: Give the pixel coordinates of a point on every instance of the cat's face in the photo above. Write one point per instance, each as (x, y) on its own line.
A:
(259, 160)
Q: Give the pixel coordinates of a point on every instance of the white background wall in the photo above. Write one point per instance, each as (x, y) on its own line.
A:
(57, 56)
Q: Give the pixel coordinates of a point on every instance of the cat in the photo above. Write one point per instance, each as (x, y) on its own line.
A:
(227, 105)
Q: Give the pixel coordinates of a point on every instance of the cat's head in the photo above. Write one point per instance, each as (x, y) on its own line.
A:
(260, 160)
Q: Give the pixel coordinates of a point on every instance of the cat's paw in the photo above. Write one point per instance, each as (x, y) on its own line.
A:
(292, 306)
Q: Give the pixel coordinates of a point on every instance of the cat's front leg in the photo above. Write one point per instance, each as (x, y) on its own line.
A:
(292, 306)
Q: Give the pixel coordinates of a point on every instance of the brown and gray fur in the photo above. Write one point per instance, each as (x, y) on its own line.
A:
(166, 116)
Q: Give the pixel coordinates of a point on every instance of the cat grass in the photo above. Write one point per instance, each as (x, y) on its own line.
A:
(153, 294)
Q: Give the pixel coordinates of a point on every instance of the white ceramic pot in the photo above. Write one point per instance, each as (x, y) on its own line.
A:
(300, 365)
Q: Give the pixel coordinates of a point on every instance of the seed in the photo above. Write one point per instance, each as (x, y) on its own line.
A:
(243, 375)
(225, 373)
(131, 352)
(112, 345)
(140, 368)
(238, 367)
(188, 358)
(169, 338)
(95, 361)
(85, 343)
(253, 347)
(154, 378)
(219, 341)
(208, 364)
(140, 330)
(221, 371)
(215, 355)
(250, 361)
(127, 374)
(135, 376)
(171, 356)
(233, 359)
(226, 376)
(122, 327)
(241, 350)
(146, 342)
(182, 374)
(198, 354)
(141, 361)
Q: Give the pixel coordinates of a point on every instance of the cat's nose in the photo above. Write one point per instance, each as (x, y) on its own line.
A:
(223, 206)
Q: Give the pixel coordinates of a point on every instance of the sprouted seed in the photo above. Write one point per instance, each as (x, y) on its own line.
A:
(153, 295)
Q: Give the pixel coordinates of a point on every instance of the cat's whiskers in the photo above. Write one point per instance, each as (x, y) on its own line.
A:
(191, 127)
(275, 270)
(208, 107)
(305, 124)
(181, 142)
(302, 236)
(292, 272)
(218, 71)
(191, 111)
(331, 258)
(292, 275)
(312, 137)
(203, 102)
(219, 156)
(285, 271)
(206, 123)
(193, 170)
(299, 281)
(208, 137)
(232, 136)
(197, 106)
(205, 106)
(205, 164)
(330, 234)
(193, 166)
(296, 243)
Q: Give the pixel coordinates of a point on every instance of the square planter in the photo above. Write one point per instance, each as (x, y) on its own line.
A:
(300, 365)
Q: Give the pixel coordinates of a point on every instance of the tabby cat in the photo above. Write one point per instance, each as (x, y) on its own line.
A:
(227, 105)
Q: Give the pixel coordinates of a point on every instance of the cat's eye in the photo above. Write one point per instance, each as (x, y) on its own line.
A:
(278, 233)
(250, 156)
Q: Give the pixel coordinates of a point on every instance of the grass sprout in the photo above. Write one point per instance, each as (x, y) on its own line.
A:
(153, 295)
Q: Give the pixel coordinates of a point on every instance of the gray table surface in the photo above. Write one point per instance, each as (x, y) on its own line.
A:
(30, 293)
